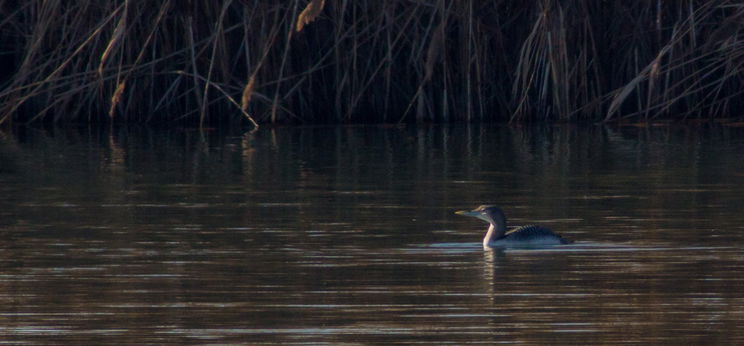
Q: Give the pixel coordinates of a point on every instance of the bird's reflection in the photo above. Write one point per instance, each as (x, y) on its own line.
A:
(492, 259)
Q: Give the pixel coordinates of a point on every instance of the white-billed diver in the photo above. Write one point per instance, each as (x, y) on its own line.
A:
(532, 235)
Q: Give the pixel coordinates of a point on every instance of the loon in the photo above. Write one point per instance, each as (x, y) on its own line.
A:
(532, 235)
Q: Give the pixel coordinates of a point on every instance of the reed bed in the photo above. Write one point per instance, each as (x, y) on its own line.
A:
(341, 61)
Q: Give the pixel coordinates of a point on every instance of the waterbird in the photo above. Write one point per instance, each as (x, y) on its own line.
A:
(525, 236)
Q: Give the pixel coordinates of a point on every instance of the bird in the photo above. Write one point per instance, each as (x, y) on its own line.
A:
(525, 236)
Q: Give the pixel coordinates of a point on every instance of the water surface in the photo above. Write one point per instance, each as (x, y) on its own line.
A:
(347, 235)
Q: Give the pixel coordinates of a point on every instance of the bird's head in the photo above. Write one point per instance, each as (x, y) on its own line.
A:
(487, 213)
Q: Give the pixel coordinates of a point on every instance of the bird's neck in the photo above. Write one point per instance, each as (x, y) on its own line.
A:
(495, 232)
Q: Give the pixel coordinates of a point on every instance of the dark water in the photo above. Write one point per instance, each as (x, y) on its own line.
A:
(347, 235)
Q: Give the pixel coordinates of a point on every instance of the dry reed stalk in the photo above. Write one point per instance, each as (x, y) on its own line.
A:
(194, 66)
(282, 68)
(215, 43)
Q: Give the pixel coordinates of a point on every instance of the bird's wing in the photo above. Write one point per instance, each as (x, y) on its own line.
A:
(529, 232)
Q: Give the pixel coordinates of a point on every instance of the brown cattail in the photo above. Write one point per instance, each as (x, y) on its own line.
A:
(309, 14)
(117, 97)
(247, 92)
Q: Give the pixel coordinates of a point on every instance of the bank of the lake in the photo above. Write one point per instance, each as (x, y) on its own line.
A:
(317, 62)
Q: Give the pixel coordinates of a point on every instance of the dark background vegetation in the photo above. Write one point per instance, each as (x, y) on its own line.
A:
(235, 61)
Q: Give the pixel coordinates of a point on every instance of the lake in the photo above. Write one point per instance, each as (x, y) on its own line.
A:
(323, 235)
